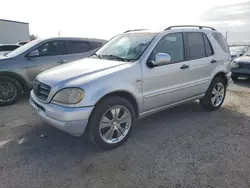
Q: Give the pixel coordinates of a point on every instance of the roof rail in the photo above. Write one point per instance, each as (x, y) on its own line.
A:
(133, 30)
(199, 26)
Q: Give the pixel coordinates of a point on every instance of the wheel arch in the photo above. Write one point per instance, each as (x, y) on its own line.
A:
(19, 78)
(222, 75)
(123, 94)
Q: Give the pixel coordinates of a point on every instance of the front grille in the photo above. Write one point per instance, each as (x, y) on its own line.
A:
(41, 90)
(244, 65)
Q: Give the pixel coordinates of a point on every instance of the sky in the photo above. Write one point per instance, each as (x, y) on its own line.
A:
(107, 18)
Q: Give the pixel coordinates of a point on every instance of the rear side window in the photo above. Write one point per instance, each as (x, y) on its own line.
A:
(221, 41)
(196, 46)
(75, 47)
(95, 45)
(208, 47)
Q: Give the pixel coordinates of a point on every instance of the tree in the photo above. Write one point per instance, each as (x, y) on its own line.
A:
(33, 37)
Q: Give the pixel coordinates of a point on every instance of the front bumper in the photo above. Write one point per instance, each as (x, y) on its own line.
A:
(70, 120)
(241, 72)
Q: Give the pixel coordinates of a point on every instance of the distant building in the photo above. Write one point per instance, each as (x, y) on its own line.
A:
(12, 32)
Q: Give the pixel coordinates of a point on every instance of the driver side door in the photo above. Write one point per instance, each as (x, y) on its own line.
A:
(51, 54)
(167, 84)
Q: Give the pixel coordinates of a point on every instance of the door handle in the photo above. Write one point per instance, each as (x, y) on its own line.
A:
(184, 66)
(61, 61)
(214, 61)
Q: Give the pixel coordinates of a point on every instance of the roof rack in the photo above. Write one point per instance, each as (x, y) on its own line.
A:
(199, 26)
(134, 30)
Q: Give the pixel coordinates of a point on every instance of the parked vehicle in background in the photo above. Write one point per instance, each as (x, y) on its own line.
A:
(19, 68)
(134, 75)
(6, 48)
(237, 51)
(21, 43)
(241, 66)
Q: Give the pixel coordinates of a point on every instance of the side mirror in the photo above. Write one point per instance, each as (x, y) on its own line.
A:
(161, 59)
(241, 55)
(34, 53)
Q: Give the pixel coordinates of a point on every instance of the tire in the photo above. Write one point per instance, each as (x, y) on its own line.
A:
(234, 78)
(103, 136)
(206, 101)
(14, 86)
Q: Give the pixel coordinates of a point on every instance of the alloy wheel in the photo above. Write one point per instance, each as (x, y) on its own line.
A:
(8, 91)
(218, 93)
(115, 124)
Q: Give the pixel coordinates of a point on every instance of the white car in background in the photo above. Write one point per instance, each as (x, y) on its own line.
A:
(238, 51)
(6, 48)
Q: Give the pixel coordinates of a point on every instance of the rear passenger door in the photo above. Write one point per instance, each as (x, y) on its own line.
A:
(201, 60)
(78, 50)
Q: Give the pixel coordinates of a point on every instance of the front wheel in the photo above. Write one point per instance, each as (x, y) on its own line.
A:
(111, 122)
(215, 95)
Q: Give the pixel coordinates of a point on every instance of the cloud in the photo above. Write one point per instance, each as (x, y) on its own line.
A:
(234, 12)
(234, 18)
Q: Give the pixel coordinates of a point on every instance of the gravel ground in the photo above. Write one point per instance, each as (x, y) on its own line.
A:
(183, 147)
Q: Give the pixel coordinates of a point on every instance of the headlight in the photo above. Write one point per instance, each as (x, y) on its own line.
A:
(69, 96)
(235, 64)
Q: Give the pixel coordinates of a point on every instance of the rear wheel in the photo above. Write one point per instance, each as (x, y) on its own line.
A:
(215, 95)
(111, 123)
(10, 90)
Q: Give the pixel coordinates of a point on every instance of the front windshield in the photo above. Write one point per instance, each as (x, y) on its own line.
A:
(236, 49)
(126, 47)
(23, 48)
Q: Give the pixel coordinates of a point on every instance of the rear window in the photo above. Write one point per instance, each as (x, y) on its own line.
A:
(221, 41)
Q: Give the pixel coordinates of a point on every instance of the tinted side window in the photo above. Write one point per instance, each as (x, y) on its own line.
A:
(8, 48)
(2, 48)
(171, 44)
(78, 47)
(208, 46)
(221, 41)
(95, 45)
(13, 47)
(52, 49)
(196, 45)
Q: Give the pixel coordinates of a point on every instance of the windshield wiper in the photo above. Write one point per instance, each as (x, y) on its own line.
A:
(115, 57)
(97, 55)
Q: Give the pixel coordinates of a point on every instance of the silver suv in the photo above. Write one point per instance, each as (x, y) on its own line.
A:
(135, 74)
(19, 67)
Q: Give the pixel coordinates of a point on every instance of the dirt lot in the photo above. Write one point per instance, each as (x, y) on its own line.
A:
(182, 147)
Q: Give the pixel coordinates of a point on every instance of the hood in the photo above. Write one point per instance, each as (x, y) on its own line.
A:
(77, 70)
(243, 59)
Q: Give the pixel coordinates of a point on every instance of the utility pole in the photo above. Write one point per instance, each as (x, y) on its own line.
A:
(226, 35)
